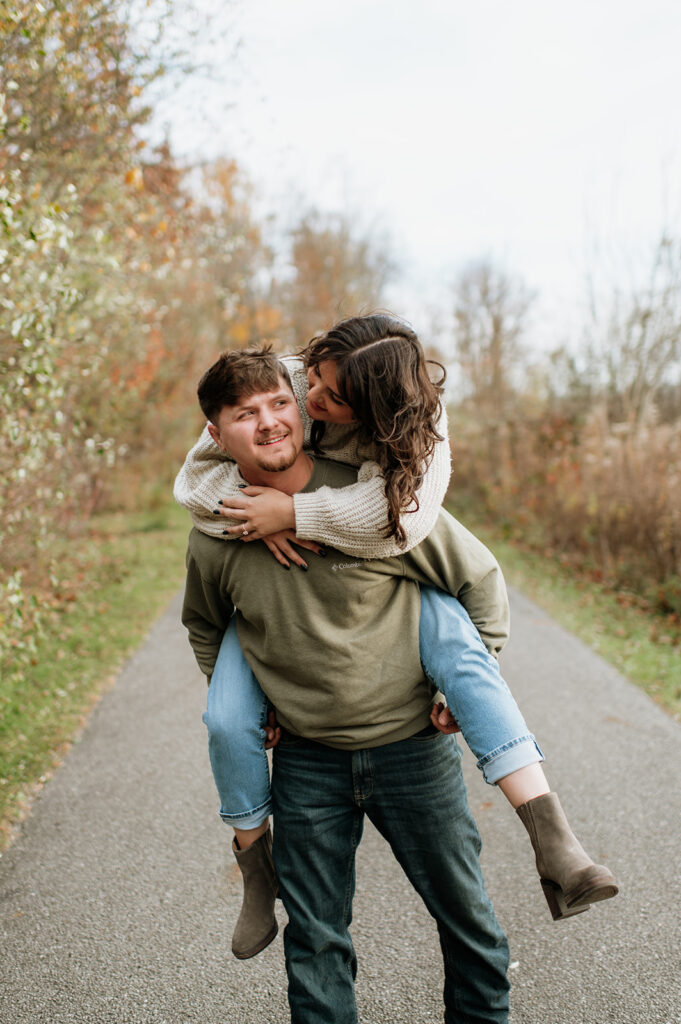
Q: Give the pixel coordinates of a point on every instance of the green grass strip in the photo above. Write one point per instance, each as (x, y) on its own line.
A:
(122, 574)
(642, 645)
(128, 567)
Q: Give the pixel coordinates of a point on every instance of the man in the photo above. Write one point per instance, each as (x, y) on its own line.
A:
(336, 651)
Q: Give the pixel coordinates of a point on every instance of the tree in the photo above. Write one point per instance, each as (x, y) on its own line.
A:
(72, 82)
(335, 271)
(634, 336)
(489, 319)
(236, 259)
(102, 289)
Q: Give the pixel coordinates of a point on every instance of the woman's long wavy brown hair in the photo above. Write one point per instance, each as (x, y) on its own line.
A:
(382, 373)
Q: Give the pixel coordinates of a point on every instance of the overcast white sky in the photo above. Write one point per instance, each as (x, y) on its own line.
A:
(521, 131)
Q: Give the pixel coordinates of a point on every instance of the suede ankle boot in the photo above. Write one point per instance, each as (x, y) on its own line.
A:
(257, 924)
(570, 879)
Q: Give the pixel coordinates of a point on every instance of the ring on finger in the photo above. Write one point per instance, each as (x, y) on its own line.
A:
(244, 532)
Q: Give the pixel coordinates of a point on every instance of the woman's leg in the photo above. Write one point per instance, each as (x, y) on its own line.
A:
(524, 784)
(455, 659)
(235, 717)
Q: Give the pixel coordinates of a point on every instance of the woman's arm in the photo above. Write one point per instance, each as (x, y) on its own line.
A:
(207, 476)
(353, 519)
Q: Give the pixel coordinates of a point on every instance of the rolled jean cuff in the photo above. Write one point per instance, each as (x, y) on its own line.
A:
(248, 819)
(518, 753)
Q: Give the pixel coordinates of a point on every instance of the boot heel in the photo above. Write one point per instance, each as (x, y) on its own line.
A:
(556, 901)
(570, 879)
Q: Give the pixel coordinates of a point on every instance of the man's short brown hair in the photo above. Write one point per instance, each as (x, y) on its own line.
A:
(238, 374)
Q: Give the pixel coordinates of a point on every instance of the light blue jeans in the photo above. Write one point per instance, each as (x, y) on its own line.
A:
(453, 657)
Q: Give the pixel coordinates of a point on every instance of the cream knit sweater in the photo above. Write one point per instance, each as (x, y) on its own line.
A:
(350, 518)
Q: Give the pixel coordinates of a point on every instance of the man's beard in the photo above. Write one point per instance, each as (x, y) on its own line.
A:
(277, 462)
(277, 465)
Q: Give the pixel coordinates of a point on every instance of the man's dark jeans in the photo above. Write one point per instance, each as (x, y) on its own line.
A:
(413, 792)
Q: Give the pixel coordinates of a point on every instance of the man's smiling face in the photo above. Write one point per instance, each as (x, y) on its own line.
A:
(262, 432)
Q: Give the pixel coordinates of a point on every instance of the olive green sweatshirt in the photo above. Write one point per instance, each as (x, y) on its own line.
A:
(336, 648)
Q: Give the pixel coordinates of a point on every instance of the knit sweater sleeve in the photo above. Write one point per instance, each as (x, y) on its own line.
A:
(353, 518)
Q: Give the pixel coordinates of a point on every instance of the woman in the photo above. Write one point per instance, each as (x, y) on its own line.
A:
(367, 399)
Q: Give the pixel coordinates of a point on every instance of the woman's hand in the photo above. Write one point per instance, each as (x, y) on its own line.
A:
(261, 511)
(443, 719)
(281, 546)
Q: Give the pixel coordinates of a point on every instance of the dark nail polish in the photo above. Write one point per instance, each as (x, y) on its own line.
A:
(241, 486)
(303, 567)
(285, 566)
(322, 553)
(216, 511)
(219, 501)
(225, 531)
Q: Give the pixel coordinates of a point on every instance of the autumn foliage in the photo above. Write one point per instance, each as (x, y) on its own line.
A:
(116, 286)
(122, 275)
(578, 457)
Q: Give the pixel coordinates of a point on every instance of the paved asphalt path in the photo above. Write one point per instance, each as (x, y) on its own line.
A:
(118, 899)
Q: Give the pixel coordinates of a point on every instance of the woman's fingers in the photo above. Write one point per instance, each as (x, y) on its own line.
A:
(252, 490)
(238, 506)
(241, 500)
(283, 551)
(309, 545)
(232, 511)
(281, 545)
(276, 552)
(290, 552)
(239, 530)
(266, 509)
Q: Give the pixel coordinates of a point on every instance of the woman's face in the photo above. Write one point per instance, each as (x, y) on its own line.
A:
(323, 401)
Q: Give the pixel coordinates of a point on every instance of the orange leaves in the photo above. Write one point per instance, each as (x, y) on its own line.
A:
(223, 181)
(337, 271)
(252, 323)
(141, 376)
(134, 178)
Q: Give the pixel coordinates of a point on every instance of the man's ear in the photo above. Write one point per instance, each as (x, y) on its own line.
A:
(215, 434)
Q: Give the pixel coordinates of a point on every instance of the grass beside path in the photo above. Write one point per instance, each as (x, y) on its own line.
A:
(642, 645)
(128, 568)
